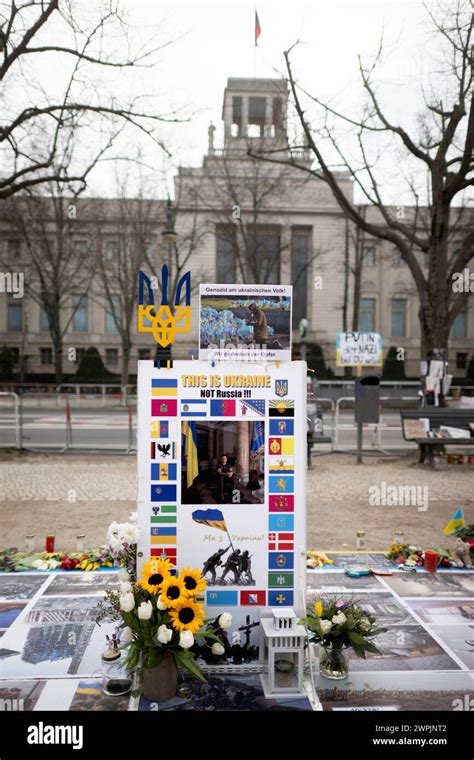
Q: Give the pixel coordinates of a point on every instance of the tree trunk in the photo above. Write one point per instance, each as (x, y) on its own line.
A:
(58, 360)
(125, 363)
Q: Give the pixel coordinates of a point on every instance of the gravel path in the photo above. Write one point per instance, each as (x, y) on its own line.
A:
(68, 494)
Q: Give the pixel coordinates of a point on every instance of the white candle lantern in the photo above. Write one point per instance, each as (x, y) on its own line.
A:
(283, 650)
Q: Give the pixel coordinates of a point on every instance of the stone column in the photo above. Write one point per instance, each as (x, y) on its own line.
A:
(243, 448)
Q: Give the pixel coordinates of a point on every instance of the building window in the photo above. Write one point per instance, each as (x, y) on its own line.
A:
(256, 117)
(80, 247)
(111, 357)
(397, 260)
(15, 315)
(367, 315)
(459, 328)
(300, 242)
(111, 248)
(265, 251)
(368, 256)
(236, 127)
(461, 360)
(80, 320)
(13, 247)
(112, 317)
(44, 322)
(46, 355)
(277, 116)
(399, 321)
(226, 258)
(143, 353)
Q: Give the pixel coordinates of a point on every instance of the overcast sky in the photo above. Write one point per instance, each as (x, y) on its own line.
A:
(215, 40)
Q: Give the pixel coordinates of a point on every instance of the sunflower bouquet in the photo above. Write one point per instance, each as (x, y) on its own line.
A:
(160, 615)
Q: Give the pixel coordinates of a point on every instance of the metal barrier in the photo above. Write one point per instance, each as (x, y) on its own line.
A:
(60, 427)
(16, 407)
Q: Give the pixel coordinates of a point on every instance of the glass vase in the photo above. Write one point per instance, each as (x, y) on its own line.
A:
(334, 662)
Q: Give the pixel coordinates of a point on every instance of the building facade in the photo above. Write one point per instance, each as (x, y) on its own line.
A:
(239, 219)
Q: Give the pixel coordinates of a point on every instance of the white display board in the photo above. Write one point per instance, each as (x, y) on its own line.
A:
(222, 479)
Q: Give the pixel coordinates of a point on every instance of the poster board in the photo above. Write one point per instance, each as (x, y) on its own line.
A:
(189, 416)
(358, 349)
(245, 322)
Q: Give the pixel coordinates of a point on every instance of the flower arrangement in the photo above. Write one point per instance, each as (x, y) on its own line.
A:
(413, 556)
(338, 624)
(160, 614)
(16, 562)
(122, 541)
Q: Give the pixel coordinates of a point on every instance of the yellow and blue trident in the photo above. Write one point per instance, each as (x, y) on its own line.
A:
(162, 321)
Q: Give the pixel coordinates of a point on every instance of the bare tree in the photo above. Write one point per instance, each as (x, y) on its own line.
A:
(125, 230)
(245, 204)
(57, 266)
(439, 156)
(86, 43)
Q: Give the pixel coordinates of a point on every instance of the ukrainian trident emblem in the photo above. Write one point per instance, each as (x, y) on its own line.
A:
(164, 321)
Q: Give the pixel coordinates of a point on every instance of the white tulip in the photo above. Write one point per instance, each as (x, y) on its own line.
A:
(325, 626)
(225, 620)
(127, 602)
(217, 648)
(37, 564)
(164, 634)
(145, 610)
(126, 588)
(53, 564)
(124, 575)
(339, 619)
(161, 604)
(186, 639)
(44, 566)
(126, 635)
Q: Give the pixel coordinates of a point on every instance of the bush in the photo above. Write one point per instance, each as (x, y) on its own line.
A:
(7, 363)
(91, 369)
(393, 368)
(315, 360)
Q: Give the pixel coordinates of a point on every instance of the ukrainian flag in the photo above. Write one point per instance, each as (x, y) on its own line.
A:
(190, 455)
(456, 521)
(212, 517)
(162, 388)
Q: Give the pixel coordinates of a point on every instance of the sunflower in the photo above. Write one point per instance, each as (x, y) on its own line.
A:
(193, 581)
(154, 573)
(173, 592)
(188, 617)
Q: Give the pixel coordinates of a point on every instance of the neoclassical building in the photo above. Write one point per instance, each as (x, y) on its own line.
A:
(239, 219)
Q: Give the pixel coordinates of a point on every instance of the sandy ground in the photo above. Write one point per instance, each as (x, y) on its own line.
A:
(70, 494)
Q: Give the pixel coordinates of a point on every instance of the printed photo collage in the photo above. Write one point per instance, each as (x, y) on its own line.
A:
(430, 622)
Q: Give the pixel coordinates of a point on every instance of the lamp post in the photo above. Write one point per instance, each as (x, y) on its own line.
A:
(169, 238)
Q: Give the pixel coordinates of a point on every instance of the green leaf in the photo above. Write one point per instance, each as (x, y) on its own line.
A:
(187, 660)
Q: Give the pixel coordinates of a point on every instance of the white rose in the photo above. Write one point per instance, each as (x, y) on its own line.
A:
(364, 624)
(126, 635)
(161, 604)
(186, 639)
(43, 566)
(145, 610)
(53, 564)
(127, 602)
(217, 648)
(225, 620)
(37, 564)
(123, 575)
(325, 626)
(339, 619)
(164, 634)
(126, 588)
